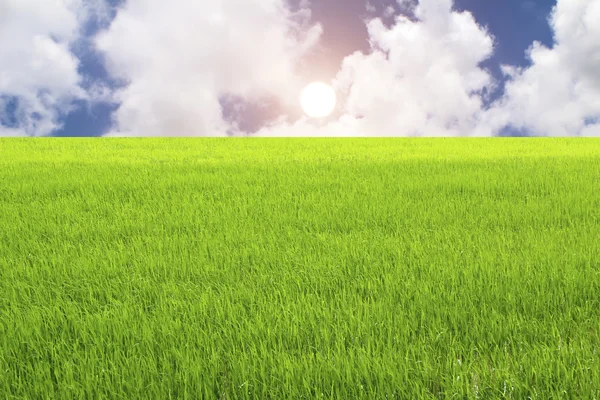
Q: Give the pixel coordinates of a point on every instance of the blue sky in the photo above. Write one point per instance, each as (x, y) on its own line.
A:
(103, 99)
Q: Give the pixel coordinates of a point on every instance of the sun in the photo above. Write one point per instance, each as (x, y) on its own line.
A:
(318, 100)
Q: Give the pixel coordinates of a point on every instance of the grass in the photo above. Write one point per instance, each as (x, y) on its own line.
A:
(308, 268)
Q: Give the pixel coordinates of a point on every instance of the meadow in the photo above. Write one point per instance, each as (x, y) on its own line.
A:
(300, 268)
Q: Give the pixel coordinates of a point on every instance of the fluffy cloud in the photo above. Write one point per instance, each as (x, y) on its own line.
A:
(591, 130)
(421, 77)
(181, 61)
(559, 94)
(181, 58)
(37, 69)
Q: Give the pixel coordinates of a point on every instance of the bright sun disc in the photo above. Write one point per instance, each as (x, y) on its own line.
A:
(318, 100)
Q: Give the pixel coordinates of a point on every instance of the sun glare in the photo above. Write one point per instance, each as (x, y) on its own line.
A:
(318, 100)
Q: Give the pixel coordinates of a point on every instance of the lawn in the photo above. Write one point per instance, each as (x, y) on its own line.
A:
(300, 268)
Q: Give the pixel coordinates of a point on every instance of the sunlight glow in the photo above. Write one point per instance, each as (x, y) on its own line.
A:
(318, 100)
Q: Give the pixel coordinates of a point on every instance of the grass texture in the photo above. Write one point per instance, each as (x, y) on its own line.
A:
(300, 268)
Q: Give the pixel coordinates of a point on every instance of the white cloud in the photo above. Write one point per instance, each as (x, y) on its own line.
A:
(560, 91)
(180, 57)
(424, 78)
(420, 78)
(8, 132)
(591, 130)
(345, 126)
(36, 64)
(389, 11)
(371, 8)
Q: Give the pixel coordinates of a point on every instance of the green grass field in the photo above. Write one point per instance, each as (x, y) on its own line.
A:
(300, 268)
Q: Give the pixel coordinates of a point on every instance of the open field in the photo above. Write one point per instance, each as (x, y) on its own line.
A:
(300, 268)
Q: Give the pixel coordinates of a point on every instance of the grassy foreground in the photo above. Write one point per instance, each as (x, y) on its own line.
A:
(300, 268)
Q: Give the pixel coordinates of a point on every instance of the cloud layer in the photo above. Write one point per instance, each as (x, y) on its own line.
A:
(38, 72)
(423, 76)
(180, 58)
(181, 62)
(559, 94)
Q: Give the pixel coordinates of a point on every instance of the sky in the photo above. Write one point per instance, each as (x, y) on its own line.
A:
(237, 67)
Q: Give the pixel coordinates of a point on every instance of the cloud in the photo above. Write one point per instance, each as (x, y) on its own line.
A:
(183, 64)
(421, 77)
(560, 92)
(37, 67)
(10, 132)
(181, 58)
(591, 130)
